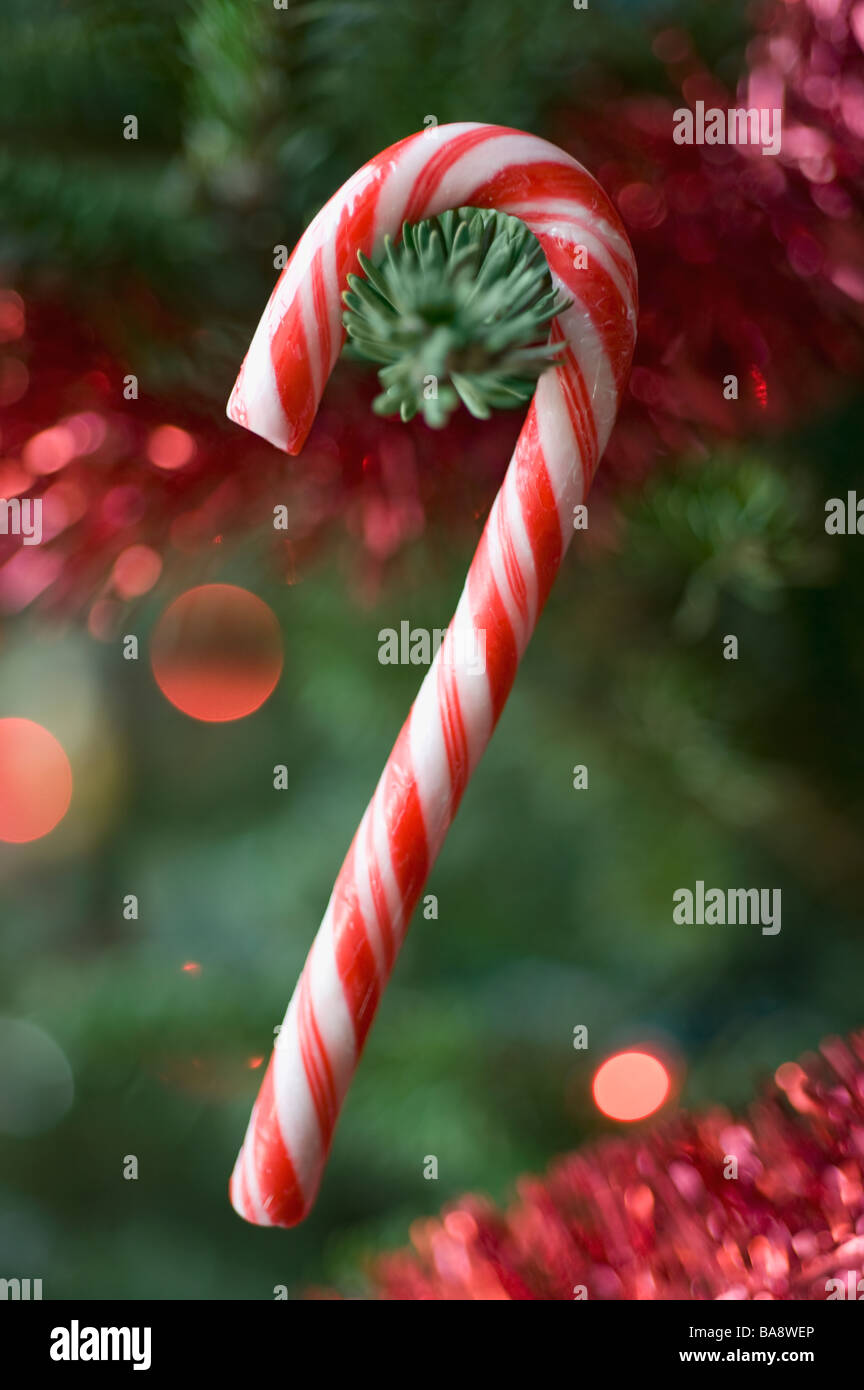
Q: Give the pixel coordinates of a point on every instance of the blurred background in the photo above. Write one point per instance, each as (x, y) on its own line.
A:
(151, 258)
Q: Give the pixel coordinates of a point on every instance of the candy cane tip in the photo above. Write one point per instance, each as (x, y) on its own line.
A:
(278, 1199)
(234, 1195)
(288, 443)
(254, 405)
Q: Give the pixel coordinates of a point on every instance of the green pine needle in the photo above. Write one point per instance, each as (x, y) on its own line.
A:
(459, 310)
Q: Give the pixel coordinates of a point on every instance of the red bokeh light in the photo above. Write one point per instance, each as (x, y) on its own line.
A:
(49, 450)
(630, 1086)
(136, 570)
(12, 319)
(35, 781)
(170, 447)
(217, 652)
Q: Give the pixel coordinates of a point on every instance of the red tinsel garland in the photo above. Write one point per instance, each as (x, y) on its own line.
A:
(749, 264)
(663, 1217)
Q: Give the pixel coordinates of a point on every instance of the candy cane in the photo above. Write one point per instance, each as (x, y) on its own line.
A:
(279, 1167)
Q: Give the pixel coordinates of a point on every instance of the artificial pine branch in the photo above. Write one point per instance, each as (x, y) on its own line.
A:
(459, 310)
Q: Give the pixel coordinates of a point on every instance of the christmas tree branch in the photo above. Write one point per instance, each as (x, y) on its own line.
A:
(459, 310)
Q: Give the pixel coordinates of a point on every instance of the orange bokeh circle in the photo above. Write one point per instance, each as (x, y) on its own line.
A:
(216, 652)
(630, 1086)
(35, 781)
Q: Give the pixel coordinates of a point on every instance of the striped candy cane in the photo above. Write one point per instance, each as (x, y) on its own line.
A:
(279, 1167)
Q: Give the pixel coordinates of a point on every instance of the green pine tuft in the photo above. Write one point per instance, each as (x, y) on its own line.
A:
(459, 310)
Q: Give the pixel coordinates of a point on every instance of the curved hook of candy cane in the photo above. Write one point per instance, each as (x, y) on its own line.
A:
(529, 526)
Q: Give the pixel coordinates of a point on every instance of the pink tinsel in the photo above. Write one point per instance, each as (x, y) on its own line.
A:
(661, 1216)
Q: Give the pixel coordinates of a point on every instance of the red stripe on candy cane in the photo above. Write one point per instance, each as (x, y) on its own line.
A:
(453, 727)
(283, 1200)
(293, 370)
(437, 167)
(379, 896)
(568, 422)
(322, 317)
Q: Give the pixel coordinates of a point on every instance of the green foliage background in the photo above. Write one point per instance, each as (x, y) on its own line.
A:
(555, 905)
